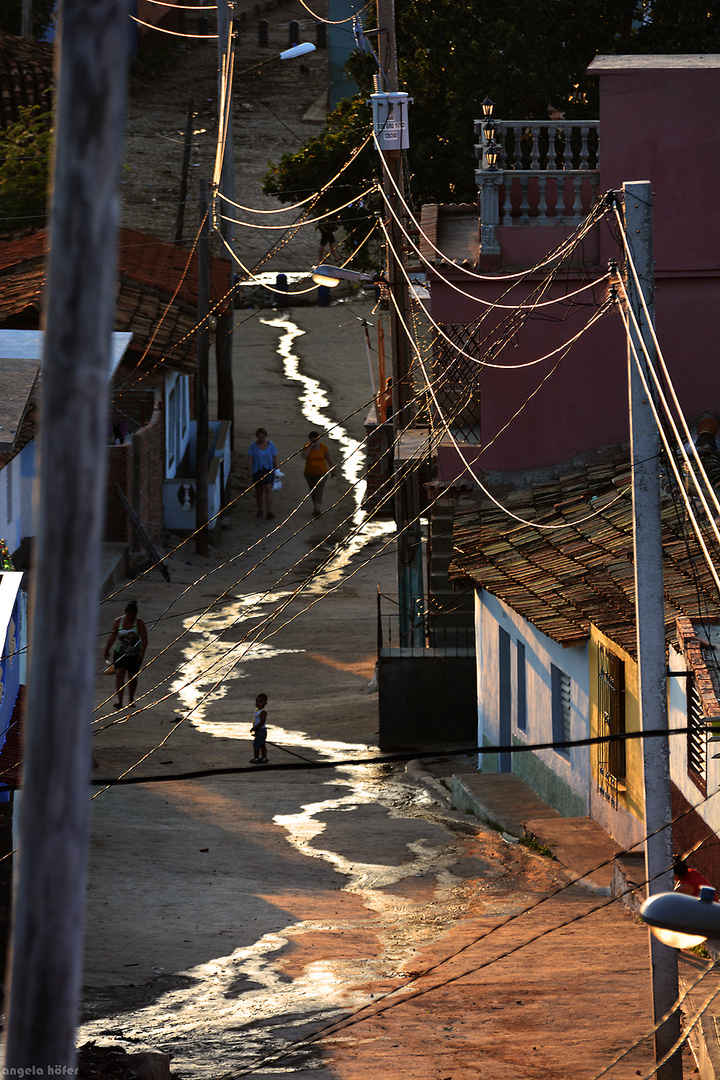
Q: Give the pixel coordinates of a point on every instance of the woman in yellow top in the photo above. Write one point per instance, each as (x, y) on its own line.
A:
(317, 462)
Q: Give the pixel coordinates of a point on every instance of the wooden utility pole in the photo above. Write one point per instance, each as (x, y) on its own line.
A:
(184, 170)
(650, 608)
(225, 322)
(47, 937)
(201, 375)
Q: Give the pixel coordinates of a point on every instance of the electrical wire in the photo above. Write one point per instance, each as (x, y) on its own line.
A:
(336, 22)
(307, 221)
(582, 230)
(523, 308)
(551, 257)
(173, 33)
(356, 1016)
(671, 457)
(302, 202)
(468, 466)
(659, 352)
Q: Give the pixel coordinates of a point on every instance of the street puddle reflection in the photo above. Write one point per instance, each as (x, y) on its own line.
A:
(314, 402)
(241, 1007)
(212, 663)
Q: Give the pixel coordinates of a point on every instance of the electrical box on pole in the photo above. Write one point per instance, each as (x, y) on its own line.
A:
(390, 119)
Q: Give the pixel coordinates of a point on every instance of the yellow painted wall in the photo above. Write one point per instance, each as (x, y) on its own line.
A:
(632, 798)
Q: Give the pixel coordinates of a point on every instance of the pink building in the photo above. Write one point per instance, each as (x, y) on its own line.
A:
(658, 118)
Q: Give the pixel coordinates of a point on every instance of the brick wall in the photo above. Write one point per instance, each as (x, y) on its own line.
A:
(379, 467)
(137, 466)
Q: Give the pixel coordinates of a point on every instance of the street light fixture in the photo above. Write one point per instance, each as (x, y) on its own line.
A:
(487, 108)
(682, 921)
(287, 54)
(492, 153)
(333, 275)
(489, 130)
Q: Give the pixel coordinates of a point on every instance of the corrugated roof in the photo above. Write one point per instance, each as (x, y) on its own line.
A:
(563, 580)
(156, 297)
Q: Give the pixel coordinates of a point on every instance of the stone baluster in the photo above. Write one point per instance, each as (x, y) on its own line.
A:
(567, 157)
(577, 201)
(552, 148)
(542, 199)
(525, 202)
(535, 156)
(584, 150)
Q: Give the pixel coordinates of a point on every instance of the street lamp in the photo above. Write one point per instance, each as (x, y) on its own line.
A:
(492, 153)
(333, 275)
(287, 54)
(682, 921)
(487, 108)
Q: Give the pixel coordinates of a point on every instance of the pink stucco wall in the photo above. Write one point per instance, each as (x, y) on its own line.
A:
(658, 118)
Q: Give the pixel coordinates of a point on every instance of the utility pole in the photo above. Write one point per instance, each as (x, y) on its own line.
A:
(650, 614)
(201, 375)
(47, 936)
(407, 496)
(184, 170)
(225, 323)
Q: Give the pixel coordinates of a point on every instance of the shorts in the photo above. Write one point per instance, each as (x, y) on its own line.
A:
(316, 483)
(263, 477)
(259, 739)
(131, 664)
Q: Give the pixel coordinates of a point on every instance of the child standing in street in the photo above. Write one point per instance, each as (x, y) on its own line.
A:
(259, 731)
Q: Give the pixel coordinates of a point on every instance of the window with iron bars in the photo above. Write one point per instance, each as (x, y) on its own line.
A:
(611, 708)
(696, 741)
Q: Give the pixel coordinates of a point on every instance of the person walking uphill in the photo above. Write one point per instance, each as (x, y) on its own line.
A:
(129, 638)
(261, 466)
(317, 463)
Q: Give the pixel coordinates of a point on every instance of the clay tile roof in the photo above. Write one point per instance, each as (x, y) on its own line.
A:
(156, 297)
(26, 76)
(566, 579)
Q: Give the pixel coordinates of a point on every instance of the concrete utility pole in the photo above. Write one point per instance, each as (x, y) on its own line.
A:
(225, 323)
(407, 497)
(650, 608)
(201, 375)
(47, 932)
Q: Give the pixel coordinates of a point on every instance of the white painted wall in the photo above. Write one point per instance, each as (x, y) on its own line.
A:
(572, 767)
(10, 501)
(708, 810)
(177, 421)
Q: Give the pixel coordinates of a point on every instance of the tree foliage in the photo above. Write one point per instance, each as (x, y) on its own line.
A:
(25, 148)
(43, 17)
(530, 57)
(299, 175)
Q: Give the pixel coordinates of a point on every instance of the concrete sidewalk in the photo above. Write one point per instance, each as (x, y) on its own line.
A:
(580, 845)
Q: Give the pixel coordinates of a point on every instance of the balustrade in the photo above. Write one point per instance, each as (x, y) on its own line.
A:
(546, 175)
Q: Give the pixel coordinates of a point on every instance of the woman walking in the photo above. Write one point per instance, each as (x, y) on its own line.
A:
(129, 638)
(317, 463)
(261, 466)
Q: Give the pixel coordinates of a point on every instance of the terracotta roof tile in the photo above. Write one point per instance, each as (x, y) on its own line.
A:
(563, 580)
(26, 76)
(156, 297)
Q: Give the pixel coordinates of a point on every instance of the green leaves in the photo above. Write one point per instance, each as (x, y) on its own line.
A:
(25, 149)
(530, 57)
